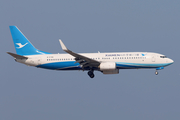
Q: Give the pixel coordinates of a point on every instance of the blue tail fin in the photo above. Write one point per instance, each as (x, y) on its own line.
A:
(22, 44)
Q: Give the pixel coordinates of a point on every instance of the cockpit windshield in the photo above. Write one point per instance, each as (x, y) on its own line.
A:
(163, 57)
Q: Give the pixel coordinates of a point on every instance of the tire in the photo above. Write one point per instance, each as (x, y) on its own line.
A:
(156, 72)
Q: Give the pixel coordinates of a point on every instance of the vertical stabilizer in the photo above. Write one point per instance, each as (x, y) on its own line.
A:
(22, 44)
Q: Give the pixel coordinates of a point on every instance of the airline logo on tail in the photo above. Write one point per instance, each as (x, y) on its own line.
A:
(20, 45)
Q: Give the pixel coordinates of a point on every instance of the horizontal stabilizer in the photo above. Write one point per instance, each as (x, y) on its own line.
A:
(17, 56)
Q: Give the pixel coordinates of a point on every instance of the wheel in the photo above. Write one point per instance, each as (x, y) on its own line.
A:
(91, 74)
(156, 72)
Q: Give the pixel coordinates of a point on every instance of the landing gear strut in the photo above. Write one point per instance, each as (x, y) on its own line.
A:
(156, 72)
(91, 74)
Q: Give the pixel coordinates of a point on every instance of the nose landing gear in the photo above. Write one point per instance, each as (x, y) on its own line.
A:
(156, 72)
(91, 74)
(159, 68)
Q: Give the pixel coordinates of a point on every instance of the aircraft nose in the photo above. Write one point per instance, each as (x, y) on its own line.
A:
(171, 61)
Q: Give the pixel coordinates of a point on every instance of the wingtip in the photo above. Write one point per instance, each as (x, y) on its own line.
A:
(62, 45)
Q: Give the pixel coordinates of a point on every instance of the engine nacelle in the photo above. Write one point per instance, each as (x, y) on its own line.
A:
(107, 66)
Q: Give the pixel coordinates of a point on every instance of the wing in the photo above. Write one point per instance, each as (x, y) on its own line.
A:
(82, 60)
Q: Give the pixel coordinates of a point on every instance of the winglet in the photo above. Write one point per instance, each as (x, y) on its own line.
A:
(62, 45)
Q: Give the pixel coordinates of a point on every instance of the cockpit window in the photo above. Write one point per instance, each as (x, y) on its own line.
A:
(163, 57)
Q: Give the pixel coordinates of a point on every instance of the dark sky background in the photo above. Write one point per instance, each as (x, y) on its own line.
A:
(29, 93)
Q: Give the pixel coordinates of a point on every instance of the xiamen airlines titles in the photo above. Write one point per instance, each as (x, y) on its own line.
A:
(107, 63)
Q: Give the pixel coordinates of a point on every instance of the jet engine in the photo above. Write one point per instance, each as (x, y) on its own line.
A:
(108, 68)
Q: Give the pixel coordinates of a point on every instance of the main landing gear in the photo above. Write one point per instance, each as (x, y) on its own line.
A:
(91, 74)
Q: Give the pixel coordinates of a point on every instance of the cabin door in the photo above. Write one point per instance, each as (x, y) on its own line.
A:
(153, 58)
(39, 61)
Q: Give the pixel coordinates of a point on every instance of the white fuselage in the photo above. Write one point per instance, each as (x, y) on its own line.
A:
(123, 60)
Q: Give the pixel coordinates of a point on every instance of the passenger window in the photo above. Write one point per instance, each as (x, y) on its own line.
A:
(163, 57)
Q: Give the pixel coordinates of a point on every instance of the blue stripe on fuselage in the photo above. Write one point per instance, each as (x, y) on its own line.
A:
(122, 65)
(60, 65)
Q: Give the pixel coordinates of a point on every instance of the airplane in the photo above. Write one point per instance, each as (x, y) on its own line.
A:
(107, 63)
